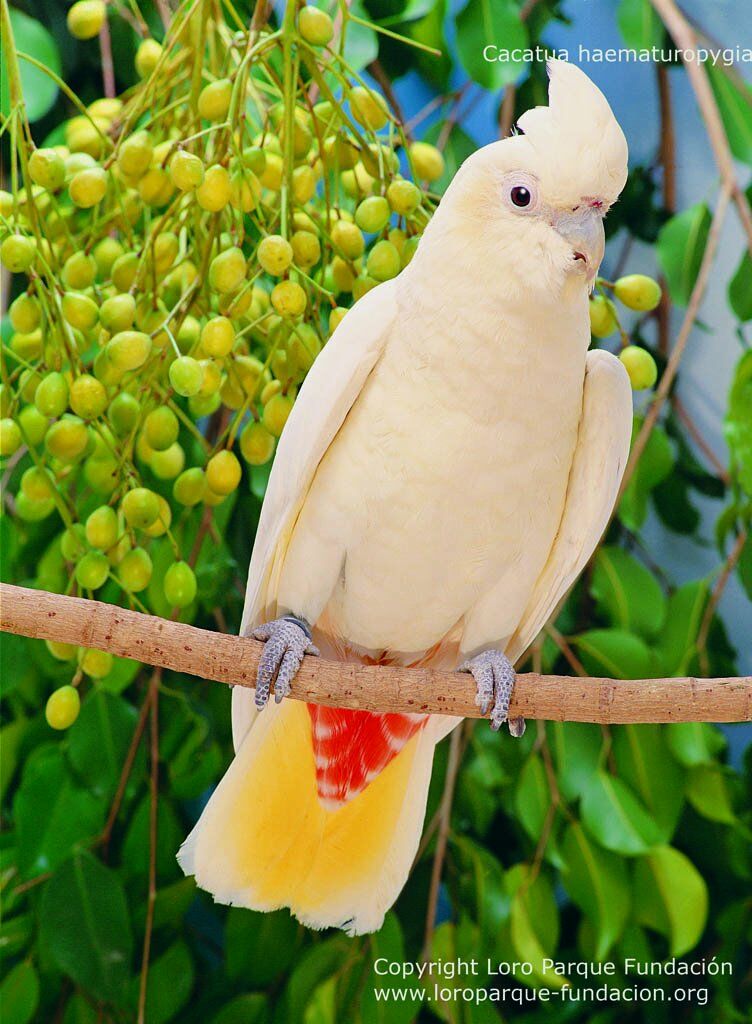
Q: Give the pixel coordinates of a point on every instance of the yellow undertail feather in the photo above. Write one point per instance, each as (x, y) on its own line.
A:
(265, 841)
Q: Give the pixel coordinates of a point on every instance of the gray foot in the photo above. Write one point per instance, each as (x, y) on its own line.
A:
(494, 677)
(286, 640)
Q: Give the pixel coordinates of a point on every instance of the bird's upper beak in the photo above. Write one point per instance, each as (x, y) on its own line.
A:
(583, 230)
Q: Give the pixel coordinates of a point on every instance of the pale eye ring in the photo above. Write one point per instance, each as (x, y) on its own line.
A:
(521, 193)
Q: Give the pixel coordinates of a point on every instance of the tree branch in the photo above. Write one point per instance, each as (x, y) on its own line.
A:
(685, 38)
(233, 660)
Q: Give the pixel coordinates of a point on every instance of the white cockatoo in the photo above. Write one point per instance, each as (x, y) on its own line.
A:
(449, 466)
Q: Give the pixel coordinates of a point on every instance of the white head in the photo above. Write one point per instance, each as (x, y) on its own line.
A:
(534, 203)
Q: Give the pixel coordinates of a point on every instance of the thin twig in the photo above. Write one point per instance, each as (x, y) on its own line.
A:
(445, 816)
(668, 163)
(685, 38)
(153, 808)
(717, 593)
(692, 429)
(125, 772)
(108, 67)
(688, 323)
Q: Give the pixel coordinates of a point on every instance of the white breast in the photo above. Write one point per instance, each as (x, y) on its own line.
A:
(448, 474)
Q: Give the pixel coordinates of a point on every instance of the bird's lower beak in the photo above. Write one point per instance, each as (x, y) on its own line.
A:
(583, 230)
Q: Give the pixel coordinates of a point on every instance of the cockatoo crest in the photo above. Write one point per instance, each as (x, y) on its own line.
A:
(576, 138)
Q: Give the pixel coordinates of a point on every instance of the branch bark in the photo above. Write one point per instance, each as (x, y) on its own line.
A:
(685, 38)
(233, 660)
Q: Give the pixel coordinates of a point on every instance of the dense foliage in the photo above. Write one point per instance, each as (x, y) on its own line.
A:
(180, 254)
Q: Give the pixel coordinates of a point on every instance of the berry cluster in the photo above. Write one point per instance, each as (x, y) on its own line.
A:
(180, 259)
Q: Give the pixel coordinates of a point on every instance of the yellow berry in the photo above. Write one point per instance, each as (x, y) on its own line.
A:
(25, 314)
(274, 254)
(427, 161)
(94, 663)
(368, 108)
(102, 527)
(135, 155)
(128, 350)
(256, 444)
(223, 473)
(638, 291)
(67, 439)
(603, 321)
(180, 584)
(214, 100)
(79, 311)
(190, 486)
(10, 436)
(86, 18)
(315, 26)
(348, 238)
(640, 366)
(79, 271)
(276, 412)
(383, 261)
(88, 187)
(227, 270)
(134, 570)
(62, 707)
(147, 57)
(306, 249)
(186, 170)
(215, 191)
(140, 507)
(47, 167)
(88, 397)
(117, 313)
(404, 197)
(336, 317)
(61, 651)
(218, 337)
(162, 523)
(17, 253)
(289, 299)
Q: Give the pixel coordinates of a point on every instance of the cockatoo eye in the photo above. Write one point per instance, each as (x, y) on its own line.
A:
(520, 192)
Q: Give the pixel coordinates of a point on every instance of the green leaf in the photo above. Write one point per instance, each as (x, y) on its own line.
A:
(670, 896)
(495, 24)
(578, 748)
(248, 1009)
(708, 793)
(655, 464)
(79, 1011)
(85, 926)
(597, 882)
(613, 653)
(38, 89)
(98, 741)
(248, 938)
(170, 906)
(615, 818)
(738, 423)
(734, 99)
(170, 835)
(695, 743)
(677, 643)
(532, 797)
(318, 964)
(386, 945)
(640, 26)
(19, 994)
(681, 244)
(168, 985)
(644, 762)
(52, 813)
(534, 923)
(627, 593)
(743, 567)
(10, 741)
(15, 934)
(740, 289)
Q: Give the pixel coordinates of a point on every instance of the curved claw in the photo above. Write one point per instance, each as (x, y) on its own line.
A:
(286, 641)
(494, 678)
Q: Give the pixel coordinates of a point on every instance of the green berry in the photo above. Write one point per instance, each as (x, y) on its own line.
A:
(147, 57)
(186, 376)
(427, 160)
(95, 663)
(180, 585)
(73, 542)
(190, 487)
(62, 707)
(638, 291)
(47, 168)
(140, 507)
(256, 444)
(640, 366)
(79, 271)
(135, 155)
(186, 171)
(51, 395)
(128, 350)
(161, 427)
(227, 270)
(17, 253)
(368, 108)
(383, 261)
(135, 569)
(218, 337)
(372, 214)
(88, 187)
(92, 570)
(102, 528)
(88, 397)
(315, 26)
(603, 321)
(61, 651)
(276, 412)
(123, 413)
(214, 100)
(347, 237)
(404, 197)
(80, 311)
(168, 464)
(37, 483)
(117, 313)
(67, 439)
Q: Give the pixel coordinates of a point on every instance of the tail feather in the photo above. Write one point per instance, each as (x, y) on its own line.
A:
(265, 840)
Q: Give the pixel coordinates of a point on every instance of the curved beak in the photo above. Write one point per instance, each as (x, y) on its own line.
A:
(583, 230)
